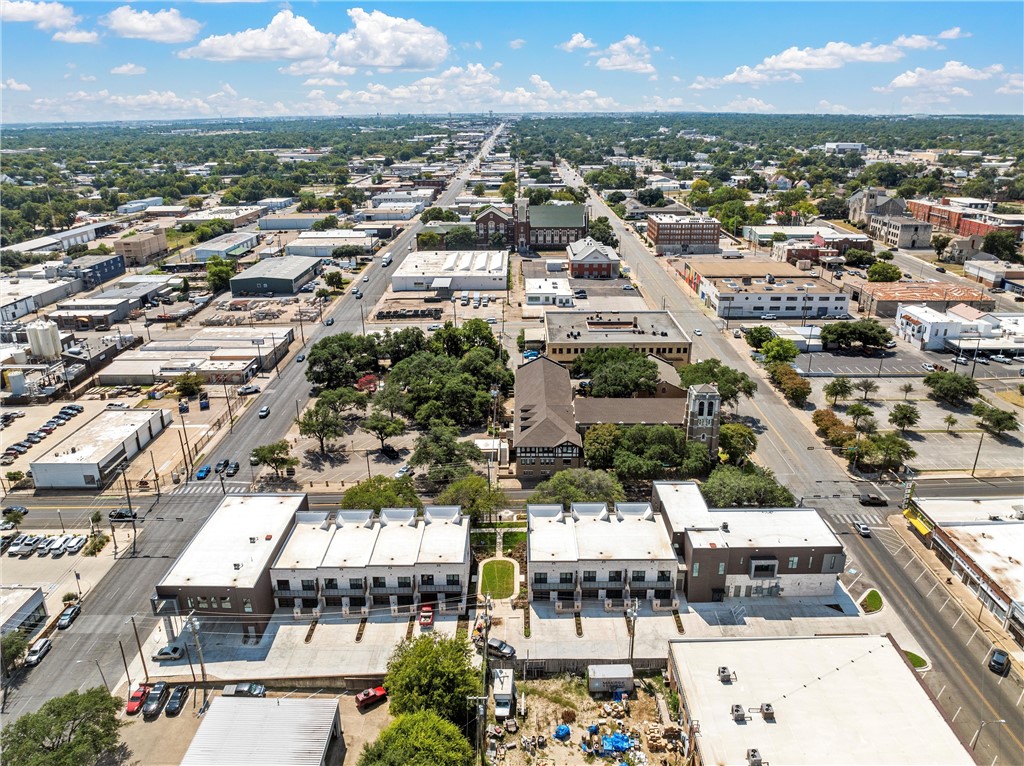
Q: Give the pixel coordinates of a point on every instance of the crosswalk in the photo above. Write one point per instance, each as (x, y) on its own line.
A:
(857, 518)
(214, 488)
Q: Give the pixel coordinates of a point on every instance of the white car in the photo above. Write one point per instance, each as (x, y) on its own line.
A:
(366, 279)
(862, 529)
(927, 367)
(961, 360)
(698, 331)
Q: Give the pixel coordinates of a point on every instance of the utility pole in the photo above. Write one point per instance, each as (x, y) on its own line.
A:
(127, 491)
(124, 659)
(156, 476)
(138, 642)
(977, 454)
(193, 625)
(632, 613)
(231, 418)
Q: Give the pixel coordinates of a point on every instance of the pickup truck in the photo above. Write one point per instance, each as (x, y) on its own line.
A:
(246, 689)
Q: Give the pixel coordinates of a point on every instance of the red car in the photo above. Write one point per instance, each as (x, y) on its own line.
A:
(137, 699)
(426, 616)
(370, 697)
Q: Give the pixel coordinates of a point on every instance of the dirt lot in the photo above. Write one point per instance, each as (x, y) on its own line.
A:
(565, 699)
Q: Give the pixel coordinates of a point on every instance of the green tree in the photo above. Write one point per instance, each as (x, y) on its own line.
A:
(599, 445)
(334, 280)
(382, 426)
(617, 372)
(867, 332)
(907, 389)
(348, 253)
(859, 258)
(994, 420)
(321, 422)
(422, 737)
(951, 387)
(390, 399)
(779, 350)
(940, 242)
(737, 441)
(904, 415)
(432, 672)
(189, 384)
(341, 400)
(445, 457)
(579, 485)
(756, 337)
(732, 487)
(838, 388)
(731, 383)
(219, 273)
(460, 238)
(1002, 244)
(276, 455)
(950, 421)
(508, 191)
(857, 412)
(884, 272)
(15, 517)
(380, 491)
(479, 190)
(338, 361)
(438, 214)
(891, 450)
(885, 255)
(866, 385)
(475, 496)
(601, 230)
(72, 729)
(13, 647)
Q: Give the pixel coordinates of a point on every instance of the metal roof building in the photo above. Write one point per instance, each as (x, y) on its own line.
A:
(262, 731)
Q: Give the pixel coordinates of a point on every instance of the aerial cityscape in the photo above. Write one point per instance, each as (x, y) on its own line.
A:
(511, 383)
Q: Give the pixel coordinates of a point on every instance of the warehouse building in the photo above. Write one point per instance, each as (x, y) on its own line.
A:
(138, 205)
(281, 276)
(452, 270)
(571, 333)
(290, 221)
(226, 246)
(883, 299)
(139, 249)
(276, 203)
(322, 244)
(236, 215)
(807, 701)
(674, 234)
(93, 454)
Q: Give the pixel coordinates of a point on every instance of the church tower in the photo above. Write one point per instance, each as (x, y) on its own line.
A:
(704, 416)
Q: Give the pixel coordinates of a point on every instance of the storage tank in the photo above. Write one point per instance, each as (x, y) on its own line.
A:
(20, 356)
(16, 382)
(44, 338)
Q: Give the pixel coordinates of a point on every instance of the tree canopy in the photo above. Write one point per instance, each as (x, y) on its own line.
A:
(729, 487)
(617, 372)
(432, 672)
(474, 496)
(884, 272)
(731, 383)
(951, 387)
(418, 739)
(276, 455)
(867, 332)
(579, 485)
(445, 457)
(382, 492)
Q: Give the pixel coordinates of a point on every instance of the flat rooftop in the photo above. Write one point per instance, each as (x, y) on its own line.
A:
(592, 532)
(233, 547)
(760, 285)
(13, 599)
(677, 218)
(721, 268)
(27, 288)
(613, 326)
(227, 241)
(454, 262)
(288, 267)
(846, 700)
(919, 292)
(306, 236)
(93, 441)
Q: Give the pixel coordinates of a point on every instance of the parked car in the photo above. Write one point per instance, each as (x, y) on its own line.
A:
(253, 460)
(15, 509)
(168, 653)
(862, 529)
(39, 650)
(961, 360)
(498, 648)
(697, 331)
(628, 287)
(177, 701)
(221, 466)
(890, 344)
(245, 689)
(981, 359)
(264, 412)
(122, 514)
(300, 358)
(233, 468)
(1001, 358)
(76, 544)
(68, 616)
(329, 321)
(248, 389)
(370, 697)
(1000, 662)
(426, 616)
(137, 699)
(928, 367)
(156, 699)
(940, 269)
(867, 499)
(389, 452)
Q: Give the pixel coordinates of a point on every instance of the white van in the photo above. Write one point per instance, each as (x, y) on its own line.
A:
(385, 261)
(39, 650)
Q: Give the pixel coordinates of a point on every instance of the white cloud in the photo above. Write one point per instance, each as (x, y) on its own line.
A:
(128, 69)
(324, 66)
(45, 16)
(916, 42)
(630, 54)
(476, 45)
(517, 43)
(578, 40)
(676, 78)
(76, 36)
(86, 77)
(325, 82)
(287, 36)
(740, 104)
(954, 33)
(389, 42)
(141, 104)
(166, 26)
(939, 79)
(1013, 85)
(11, 84)
(832, 55)
(827, 107)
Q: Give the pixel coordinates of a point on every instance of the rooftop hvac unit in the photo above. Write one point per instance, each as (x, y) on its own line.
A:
(754, 757)
(724, 674)
(725, 528)
(738, 713)
(767, 711)
(237, 567)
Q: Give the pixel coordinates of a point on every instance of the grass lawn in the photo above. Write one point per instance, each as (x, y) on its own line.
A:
(916, 660)
(483, 542)
(497, 578)
(872, 602)
(510, 540)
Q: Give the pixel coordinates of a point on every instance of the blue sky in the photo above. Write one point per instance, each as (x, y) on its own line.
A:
(129, 60)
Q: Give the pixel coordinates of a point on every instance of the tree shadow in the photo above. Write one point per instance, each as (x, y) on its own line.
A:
(335, 456)
(119, 756)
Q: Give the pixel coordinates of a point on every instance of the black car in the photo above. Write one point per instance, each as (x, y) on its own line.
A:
(177, 700)
(873, 500)
(122, 514)
(15, 509)
(389, 452)
(233, 468)
(329, 322)
(68, 616)
(221, 466)
(1000, 662)
(156, 699)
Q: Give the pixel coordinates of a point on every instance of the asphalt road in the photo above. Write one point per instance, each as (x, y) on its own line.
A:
(811, 472)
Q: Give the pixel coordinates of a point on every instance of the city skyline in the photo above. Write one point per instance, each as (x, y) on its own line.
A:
(66, 61)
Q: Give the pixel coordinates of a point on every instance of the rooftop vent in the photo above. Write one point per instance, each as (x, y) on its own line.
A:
(754, 757)
(738, 713)
(767, 711)
(724, 674)
(252, 540)
(725, 526)
(237, 567)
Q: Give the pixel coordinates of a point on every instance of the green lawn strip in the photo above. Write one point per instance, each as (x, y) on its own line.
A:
(872, 602)
(916, 660)
(498, 578)
(510, 540)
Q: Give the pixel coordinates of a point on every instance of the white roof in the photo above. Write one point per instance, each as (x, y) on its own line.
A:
(843, 700)
(271, 731)
(94, 440)
(589, 532)
(446, 263)
(243, 531)
(548, 287)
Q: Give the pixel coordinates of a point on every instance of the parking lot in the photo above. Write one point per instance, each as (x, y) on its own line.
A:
(602, 294)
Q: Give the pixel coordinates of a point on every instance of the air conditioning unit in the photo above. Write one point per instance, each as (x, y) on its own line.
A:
(767, 711)
(738, 713)
(754, 757)
(724, 674)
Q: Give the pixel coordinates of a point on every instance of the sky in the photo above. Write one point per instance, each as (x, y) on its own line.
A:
(88, 61)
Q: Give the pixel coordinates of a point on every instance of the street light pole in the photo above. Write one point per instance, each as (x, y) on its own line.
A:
(977, 454)
(102, 677)
(138, 642)
(977, 734)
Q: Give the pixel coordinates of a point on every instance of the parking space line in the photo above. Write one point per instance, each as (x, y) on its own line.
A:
(1020, 698)
(926, 595)
(972, 636)
(855, 580)
(957, 619)
(939, 695)
(908, 563)
(923, 573)
(951, 720)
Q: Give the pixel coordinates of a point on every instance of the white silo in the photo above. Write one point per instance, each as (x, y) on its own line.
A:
(44, 338)
(16, 382)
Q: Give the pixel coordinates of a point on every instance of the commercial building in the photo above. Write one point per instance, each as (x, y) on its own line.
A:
(901, 232)
(22, 608)
(224, 570)
(421, 197)
(1009, 276)
(547, 227)
(748, 552)
(236, 215)
(548, 292)
(883, 299)
(591, 552)
(844, 147)
(842, 240)
(19, 297)
(683, 234)
(589, 259)
(364, 562)
(980, 541)
(322, 244)
(571, 333)
(230, 245)
(291, 221)
(139, 249)
(452, 270)
(264, 731)
(138, 205)
(807, 701)
(764, 236)
(281, 276)
(276, 203)
(805, 255)
(753, 287)
(63, 240)
(167, 211)
(868, 202)
(392, 211)
(91, 456)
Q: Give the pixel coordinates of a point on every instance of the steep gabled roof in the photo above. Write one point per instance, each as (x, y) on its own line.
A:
(544, 415)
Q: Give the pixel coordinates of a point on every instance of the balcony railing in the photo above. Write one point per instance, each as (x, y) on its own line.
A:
(298, 593)
(391, 591)
(441, 587)
(343, 591)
